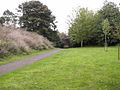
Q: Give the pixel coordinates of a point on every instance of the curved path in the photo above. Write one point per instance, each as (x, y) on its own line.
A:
(4, 69)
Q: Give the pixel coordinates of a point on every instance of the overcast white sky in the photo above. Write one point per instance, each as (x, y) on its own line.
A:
(60, 8)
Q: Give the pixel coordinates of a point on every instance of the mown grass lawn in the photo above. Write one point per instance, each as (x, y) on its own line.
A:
(22, 56)
(70, 69)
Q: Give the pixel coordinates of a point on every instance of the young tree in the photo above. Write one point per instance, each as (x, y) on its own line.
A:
(106, 29)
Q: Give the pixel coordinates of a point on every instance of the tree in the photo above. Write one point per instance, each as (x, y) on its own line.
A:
(2, 20)
(93, 28)
(117, 24)
(81, 28)
(96, 37)
(8, 18)
(118, 36)
(36, 17)
(111, 12)
(106, 29)
(64, 39)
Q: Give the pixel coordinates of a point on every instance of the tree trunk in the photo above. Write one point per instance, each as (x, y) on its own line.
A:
(118, 51)
(82, 43)
(105, 43)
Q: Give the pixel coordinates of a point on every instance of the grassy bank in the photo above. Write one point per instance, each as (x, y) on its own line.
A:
(12, 58)
(71, 69)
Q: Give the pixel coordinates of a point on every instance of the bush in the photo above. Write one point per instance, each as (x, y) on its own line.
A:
(20, 41)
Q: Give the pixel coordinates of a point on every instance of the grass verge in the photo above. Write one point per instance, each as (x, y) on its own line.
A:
(70, 69)
(22, 56)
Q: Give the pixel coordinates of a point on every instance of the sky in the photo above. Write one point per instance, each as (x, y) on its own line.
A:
(61, 9)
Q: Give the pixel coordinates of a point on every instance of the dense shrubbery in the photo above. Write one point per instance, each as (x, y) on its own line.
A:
(13, 41)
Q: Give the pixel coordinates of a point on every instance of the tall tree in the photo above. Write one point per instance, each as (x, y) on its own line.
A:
(86, 26)
(106, 29)
(81, 28)
(36, 17)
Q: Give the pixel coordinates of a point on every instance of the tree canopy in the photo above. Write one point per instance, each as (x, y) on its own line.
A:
(36, 17)
(88, 26)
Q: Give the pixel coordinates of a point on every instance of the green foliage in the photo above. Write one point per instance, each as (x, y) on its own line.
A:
(38, 18)
(8, 18)
(87, 26)
(106, 26)
(111, 12)
(106, 29)
(81, 28)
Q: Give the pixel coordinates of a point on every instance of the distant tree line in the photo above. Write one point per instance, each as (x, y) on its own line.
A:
(90, 28)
